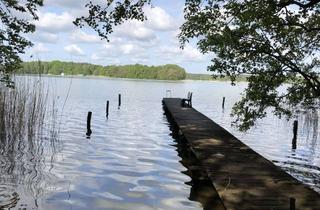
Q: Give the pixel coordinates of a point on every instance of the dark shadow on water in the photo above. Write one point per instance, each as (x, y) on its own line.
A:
(202, 189)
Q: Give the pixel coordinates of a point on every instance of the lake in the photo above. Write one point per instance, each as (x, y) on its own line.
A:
(133, 159)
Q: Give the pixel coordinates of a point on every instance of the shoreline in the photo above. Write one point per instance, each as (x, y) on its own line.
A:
(121, 78)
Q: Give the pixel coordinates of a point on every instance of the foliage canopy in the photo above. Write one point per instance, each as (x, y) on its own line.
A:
(273, 42)
(16, 17)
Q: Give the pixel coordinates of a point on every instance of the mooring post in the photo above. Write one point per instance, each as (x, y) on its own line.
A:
(119, 101)
(292, 204)
(107, 109)
(295, 132)
(223, 100)
(89, 132)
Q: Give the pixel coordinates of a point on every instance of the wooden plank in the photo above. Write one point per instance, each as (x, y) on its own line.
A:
(243, 178)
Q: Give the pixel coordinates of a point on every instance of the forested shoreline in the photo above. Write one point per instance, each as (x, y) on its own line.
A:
(136, 71)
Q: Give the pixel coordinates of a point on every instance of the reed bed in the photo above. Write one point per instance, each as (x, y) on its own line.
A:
(24, 108)
(28, 138)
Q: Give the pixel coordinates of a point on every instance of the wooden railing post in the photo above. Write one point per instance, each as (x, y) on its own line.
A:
(89, 131)
(119, 101)
(107, 109)
(295, 132)
(223, 101)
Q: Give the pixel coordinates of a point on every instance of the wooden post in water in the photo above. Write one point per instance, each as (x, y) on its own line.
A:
(89, 132)
(107, 109)
(223, 100)
(295, 132)
(119, 101)
(292, 204)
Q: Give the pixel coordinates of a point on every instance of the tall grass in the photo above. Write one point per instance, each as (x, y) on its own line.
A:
(23, 109)
(28, 136)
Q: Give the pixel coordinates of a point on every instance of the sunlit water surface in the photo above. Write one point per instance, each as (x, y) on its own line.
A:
(131, 161)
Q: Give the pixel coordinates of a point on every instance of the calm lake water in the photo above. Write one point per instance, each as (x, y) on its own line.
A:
(131, 160)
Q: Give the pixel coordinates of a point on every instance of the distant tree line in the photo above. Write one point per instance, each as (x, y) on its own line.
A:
(138, 71)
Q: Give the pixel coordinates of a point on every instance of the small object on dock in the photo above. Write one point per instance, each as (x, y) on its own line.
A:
(89, 132)
(295, 132)
(187, 101)
(223, 100)
(119, 101)
(107, 109)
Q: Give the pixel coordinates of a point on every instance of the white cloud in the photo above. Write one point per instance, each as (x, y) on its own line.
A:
(192, 54)
(105, 61)
(115, 39)
(148, 44)
(66, 3)
(170, 50)
(134, 29)
(75, 7)
(74, 49)
(44, 37)
(105, 53)
(159, 19)
(120, 51)
(39, 49)
(173, 37)
(81, 36)
(188, 54)
(55, 23)
(96, 57)
(127, 49)
(139, 60)
(72, 3)
(109, 50)
(130, 49)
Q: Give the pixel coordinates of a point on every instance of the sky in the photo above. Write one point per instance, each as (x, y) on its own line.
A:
(152, 42)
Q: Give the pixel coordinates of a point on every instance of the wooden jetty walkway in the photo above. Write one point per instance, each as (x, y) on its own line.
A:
(243, 178)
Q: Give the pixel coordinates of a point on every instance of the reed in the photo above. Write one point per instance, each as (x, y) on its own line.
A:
(24, 108)
(28, 138)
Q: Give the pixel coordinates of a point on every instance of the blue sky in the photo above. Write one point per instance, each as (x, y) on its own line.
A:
(152, 42)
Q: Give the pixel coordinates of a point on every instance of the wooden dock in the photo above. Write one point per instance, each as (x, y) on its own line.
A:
(243, 178)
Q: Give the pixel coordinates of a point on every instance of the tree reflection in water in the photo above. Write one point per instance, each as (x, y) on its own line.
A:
(310, 128)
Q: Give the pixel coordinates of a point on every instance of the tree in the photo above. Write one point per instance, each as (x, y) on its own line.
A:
(12, 41)
(273, 42)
